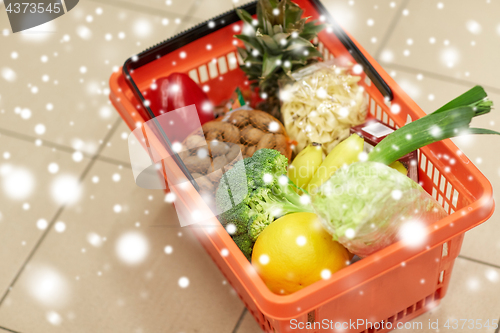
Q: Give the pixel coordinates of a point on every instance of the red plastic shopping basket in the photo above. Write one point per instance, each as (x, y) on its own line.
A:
(392, 286)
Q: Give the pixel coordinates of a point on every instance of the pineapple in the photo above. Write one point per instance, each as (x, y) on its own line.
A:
(276, 43)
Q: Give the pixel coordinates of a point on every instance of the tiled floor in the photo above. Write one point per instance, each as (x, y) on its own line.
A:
(74, 213)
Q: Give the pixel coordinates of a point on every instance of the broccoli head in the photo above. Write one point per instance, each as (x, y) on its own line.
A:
(245, 244)
(236, 220)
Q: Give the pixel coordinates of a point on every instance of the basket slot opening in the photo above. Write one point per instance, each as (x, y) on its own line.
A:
(202, 70)
(408, 119)
(442, 184)
(193, 74)
(437, 294)
(212, 69)
(311, 316)
(444, 253)
(430, 168)
(448, 191)
(440, 199)
(239, 58)
(371, 330)
(384, 118)
(368, 82)
(409, 310)
(455, 198)
(434, 193)
(419, 305)
(423, 162)
(447, 207)
(429, 299)
(441, 277)
(373, 105)
(391, 319)
(436, 177)
(326, 53)
(400, 316)
(222, 65)
(233, 62)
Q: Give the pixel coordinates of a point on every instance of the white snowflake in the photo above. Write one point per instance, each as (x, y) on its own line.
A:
(183, 282)
(65, 189)
(60, 226)
(168, 249)
(132, 248)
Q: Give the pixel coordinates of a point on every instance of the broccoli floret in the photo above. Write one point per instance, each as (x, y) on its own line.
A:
(237, 217)
(257, 224)
(234, 187)
(270, 204)
(266, 166)
(245, 244)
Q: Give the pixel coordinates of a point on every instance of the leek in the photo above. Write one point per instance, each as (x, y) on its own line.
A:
(451, 120)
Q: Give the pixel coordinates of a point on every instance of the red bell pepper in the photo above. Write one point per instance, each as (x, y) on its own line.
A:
(174, 92)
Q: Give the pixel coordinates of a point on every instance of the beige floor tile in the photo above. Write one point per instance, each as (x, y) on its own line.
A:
(117, 147)
(367, 22)
(248, 325)
(30, 193)
(473, 294)
(207, 9)
(482, 242)
(460, 40)
(109, 270)
(55, 84)
(178, 8)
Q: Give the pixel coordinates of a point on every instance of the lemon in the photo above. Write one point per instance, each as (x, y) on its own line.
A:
(295, 251)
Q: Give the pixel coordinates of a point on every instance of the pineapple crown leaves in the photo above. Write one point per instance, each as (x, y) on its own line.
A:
(277, 42)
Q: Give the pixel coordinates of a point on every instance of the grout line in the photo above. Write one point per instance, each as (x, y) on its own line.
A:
(114, 161)
(60, 210)
(478, 261)
(32, 253)
(440, 76)
(101, 147)
(238, 323)
(64, 6)
(391, 28)
(64, 148)
(188, 18)
(32, 139)
(140, 8)
(9, 330)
